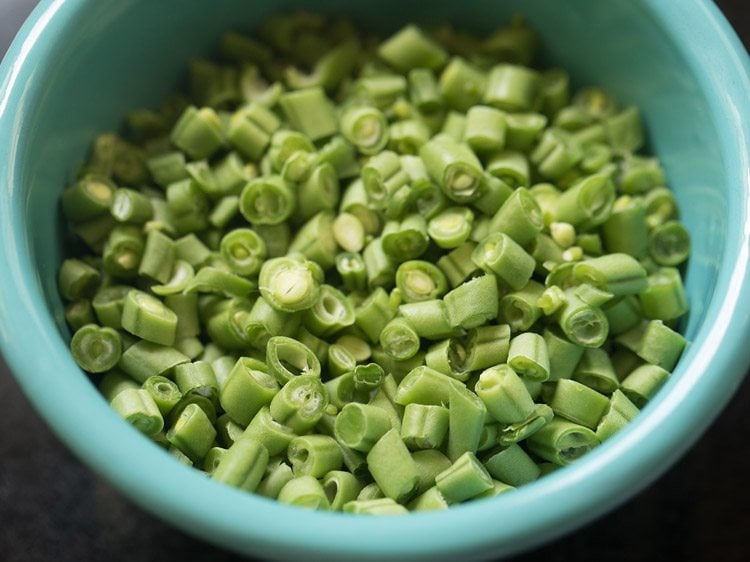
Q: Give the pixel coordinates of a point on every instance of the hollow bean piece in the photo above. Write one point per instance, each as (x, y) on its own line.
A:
(314, 455)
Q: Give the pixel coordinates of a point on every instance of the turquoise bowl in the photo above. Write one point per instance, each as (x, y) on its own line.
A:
(77, 66)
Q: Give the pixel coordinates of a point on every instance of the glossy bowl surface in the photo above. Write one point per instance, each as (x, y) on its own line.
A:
(78, 66)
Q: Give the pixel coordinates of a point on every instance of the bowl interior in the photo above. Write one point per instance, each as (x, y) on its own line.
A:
(95, 61)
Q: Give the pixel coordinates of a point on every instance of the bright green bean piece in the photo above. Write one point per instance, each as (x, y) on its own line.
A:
(96, 349)
(243, 465)
(392, 467)
(465, 479)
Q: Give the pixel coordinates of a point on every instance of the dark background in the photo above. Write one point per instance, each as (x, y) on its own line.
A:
(54, 508)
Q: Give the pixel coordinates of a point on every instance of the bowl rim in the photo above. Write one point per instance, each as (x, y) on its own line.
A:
(535, 513)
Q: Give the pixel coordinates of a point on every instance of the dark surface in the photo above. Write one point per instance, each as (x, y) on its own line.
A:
(54, 508)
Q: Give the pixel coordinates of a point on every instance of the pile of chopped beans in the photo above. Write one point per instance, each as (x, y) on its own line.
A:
(375, 276)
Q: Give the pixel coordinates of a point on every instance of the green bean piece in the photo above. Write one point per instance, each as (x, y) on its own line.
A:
(310, 111)
(575, 402)
(399, 340)
(158, 257)
(430, 463)
(96, 349)
(519, 431)
(277, 475)
(88, 198)
(243, 250)
(382, 176)
(340, 360)
(621, 410)
(290, 284)
(485, 128)
(191, 249)
(167, 168)
(148, 318)
(366, 128)
(623, 314)
(360, 426)
(451, 227)
(466, 415)
(404, 240)
(265, 321)
(163, 391)
(198, 378)
(212, 459)
(624, 131)
(669, 243)
(76, 279)
(511, 87)
(349, 232)
(466, 478)
(287, 358)
(137, 408)
(114, 382)
(381, 90)
(642, 384)
(424, 91)
(454, 167)
(462, 84)
(520, 309)
(276, 237)
(430, 319)
(373, 314)
(193, 433)
(263, 429)
(380, 506)
(246, 390)
(511, 465)
(250, 129)
(79, 313)
(340, 487)
(528, 356)
(500, 255)
(211, 279)
(131, 206)
(300, 403)
(664, 296)
(504, 394)
(314, 455)
(424, 426)
(198, 132)
(520, 217)
(473, 303)
(582, 323)
(319, 191)
(351, 267)
(655, 343)
(626, 230)
(510, 166)
(267, 200)
(458, 265)
(392, 467)
(315, 240)
(144, 359)
(423, 385)
(410, 48)
(331, 313)
(420, 281)
(243, 465)
(617, 273)
(181, 277)
(562, 442)
(496, 192)
(596, 371)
